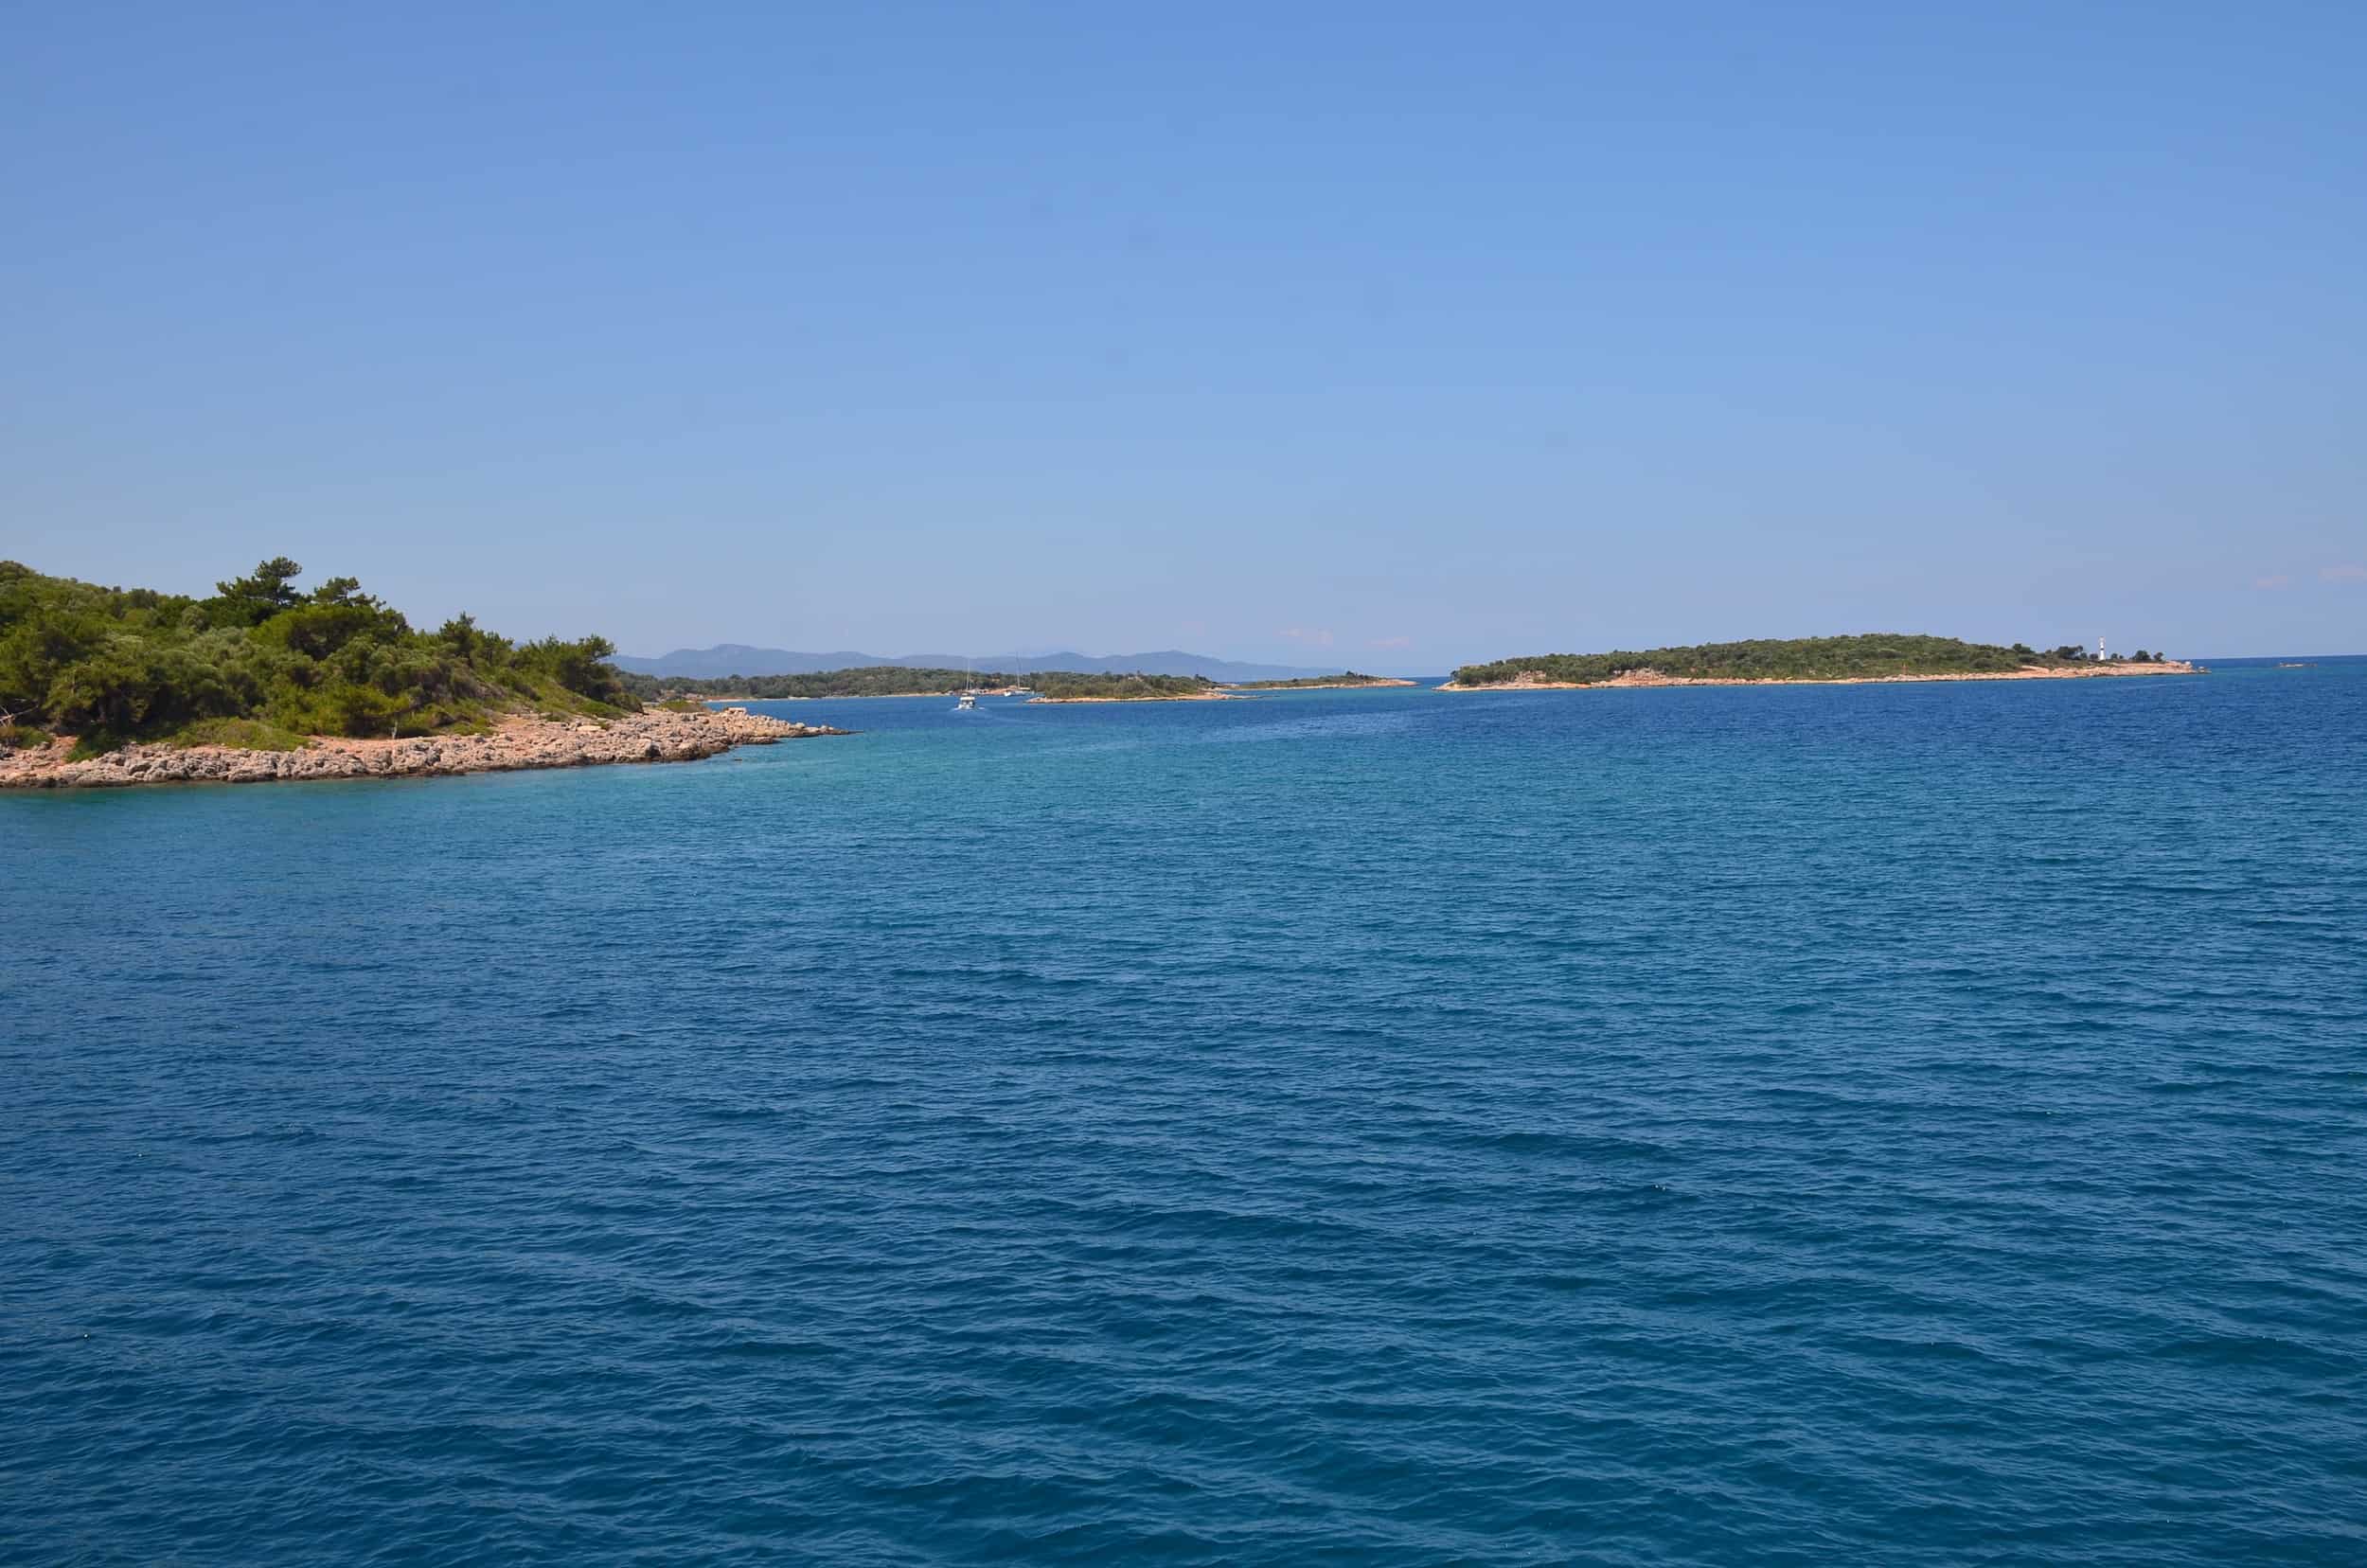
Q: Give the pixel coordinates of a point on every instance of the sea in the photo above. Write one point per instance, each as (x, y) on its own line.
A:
(1905, 1124)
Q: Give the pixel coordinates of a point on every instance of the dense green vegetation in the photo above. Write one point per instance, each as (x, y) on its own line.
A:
(1345, 678)
(904, 681)
(262, 663)
(1875, 653)
(1064, 685)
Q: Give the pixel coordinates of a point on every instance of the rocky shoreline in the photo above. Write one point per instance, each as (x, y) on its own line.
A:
(520, 742)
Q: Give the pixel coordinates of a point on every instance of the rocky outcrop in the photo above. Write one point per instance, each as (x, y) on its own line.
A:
(653, 736)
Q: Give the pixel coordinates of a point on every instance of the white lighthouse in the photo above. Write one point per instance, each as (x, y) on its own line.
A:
(2099, 648)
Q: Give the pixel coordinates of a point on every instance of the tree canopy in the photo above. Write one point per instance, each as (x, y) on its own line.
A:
(114, 664)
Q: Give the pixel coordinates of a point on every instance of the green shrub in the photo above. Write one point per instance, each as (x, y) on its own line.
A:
(245, 734)
(97, 742)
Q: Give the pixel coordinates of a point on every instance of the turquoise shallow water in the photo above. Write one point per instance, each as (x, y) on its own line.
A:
(1887, 1125)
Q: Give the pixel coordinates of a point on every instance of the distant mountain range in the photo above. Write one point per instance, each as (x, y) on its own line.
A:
(739, 659)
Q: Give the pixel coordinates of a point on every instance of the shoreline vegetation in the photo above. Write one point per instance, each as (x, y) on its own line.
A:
(1872, 658)
(1347, 679)
(264, 681)
(1050, 686)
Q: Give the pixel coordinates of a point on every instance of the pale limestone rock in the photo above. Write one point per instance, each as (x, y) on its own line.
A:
(650, 735)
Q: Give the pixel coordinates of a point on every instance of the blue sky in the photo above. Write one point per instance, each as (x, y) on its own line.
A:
(1368, 334)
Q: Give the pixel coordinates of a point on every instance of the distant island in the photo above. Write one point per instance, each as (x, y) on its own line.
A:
(1320, 682)
(740, 661)
(263, 680)
(864, 681)
(1051, 686)
(1874, 656)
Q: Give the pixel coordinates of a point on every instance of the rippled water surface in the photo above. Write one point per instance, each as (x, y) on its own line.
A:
(1886, 1125)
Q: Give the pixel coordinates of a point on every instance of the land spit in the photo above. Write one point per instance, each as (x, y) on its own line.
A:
(1536, 681)
(1162, 696)
(1259, 688)
(517, 742)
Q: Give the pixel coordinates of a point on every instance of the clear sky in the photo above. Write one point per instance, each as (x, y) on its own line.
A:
(1331, 333)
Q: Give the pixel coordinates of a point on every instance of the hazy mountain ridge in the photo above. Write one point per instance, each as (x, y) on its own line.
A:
(739, 659)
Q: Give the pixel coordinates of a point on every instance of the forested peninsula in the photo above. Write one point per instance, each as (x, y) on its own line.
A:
(1874, 656)
(1342, 681)
(264, 679)
(1051, 686)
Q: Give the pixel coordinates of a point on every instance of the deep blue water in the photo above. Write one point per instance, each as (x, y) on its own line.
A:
(1884, 1125)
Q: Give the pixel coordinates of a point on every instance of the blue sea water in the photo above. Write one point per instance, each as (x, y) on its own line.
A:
(1914, 1124)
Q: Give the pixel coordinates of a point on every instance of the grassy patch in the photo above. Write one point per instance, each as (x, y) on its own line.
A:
(23, 737)
(245, 734)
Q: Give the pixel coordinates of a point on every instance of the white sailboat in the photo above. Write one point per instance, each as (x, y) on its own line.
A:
(970, 698)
